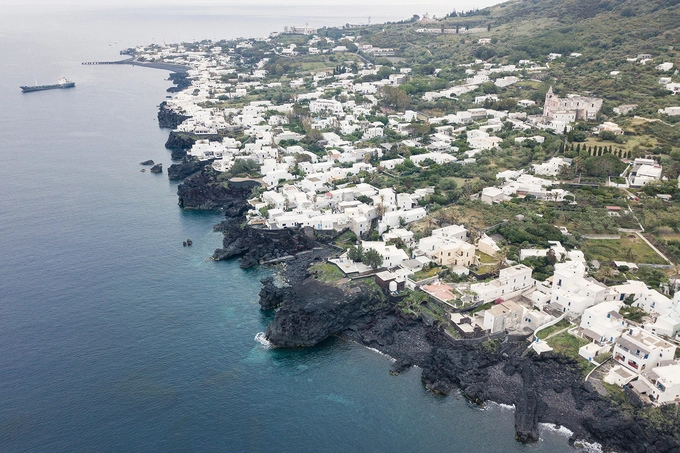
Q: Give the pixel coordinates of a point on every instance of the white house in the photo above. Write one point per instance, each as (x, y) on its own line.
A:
(551, 167)
(511, 282)
(507, 315)
(491, 195)
(456, 253)
(458, 232)
(391, 255)
(639, 350)
(488, 245)
(602, 322)
(652, 301)
(396, 218)
(661, 385)
(644, 171)
(572, 292)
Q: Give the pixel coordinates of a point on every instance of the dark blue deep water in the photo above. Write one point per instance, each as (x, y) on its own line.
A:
(114, 337)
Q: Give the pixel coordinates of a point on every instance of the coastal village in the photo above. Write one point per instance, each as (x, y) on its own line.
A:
(484, 195)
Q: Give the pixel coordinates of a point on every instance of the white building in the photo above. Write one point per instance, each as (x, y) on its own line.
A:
(639, 350)
(644, 171)
(511, 282)
(492, 195)
(603, 323)
(397, 218)
(551, 167)
(391, 255)
(456, 253)
(326, 105)
(507, 315)
(661, 385)
(572, 292)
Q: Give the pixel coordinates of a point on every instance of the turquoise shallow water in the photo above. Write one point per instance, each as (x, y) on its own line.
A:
(114, 337)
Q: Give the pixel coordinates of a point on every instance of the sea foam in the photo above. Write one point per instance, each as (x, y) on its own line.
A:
(261, 338)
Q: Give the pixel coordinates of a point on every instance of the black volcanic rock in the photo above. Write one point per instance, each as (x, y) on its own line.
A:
(147, 162)
(158, 168)
(271, 295)
(322, 310)
(181, 81)
(255, 245)
(179, 141)
(178, 154)
(187, 168)
(202, 190)
(168, 118)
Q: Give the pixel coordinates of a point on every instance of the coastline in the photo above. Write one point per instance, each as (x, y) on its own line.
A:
(308, 311)
(545, 389)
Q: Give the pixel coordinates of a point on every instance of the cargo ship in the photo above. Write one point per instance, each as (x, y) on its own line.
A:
(61, 83)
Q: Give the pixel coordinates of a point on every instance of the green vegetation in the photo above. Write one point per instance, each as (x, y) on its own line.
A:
(634, 314)
(417, 303)
(628, 248)
(327, 272)
(567, 345)
(427, 272)
(372, 258)
(563, 324)
(369, 257)
(346, 240)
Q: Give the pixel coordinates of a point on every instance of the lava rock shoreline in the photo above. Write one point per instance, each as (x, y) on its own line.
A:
(544, 389)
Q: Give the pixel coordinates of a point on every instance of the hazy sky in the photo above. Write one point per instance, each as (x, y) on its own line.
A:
(433, 6)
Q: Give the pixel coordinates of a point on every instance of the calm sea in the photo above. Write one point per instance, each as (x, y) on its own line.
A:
(114, 337)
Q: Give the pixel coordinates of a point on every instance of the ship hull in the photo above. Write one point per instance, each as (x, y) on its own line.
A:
(28, 89)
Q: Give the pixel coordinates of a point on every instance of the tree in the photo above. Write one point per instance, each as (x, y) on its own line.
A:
(501, 255)
(395, 98)
(605, 273)
(356, 254)
(372, 258)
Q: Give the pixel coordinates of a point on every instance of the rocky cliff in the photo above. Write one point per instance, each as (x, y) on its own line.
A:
(321, 310)
(168, 117)
(179, 141)
(257, 245)
(203, 190)
(543, 389)
(186, 168)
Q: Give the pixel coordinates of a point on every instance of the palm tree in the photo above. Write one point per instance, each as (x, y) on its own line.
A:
(501, 255)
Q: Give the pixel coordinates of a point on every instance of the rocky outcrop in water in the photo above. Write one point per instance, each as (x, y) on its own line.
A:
(323, 310)
(203, 190)
(168, 117)
(179, 141)
(158, 168)
(257, 245)
(186, 168)
(273, 295)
